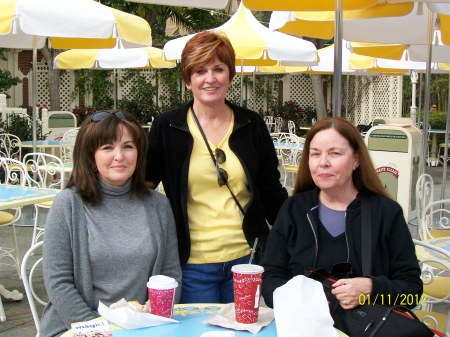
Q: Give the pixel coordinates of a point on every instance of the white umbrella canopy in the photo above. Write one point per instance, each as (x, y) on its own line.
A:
(68, 24)
(254, 44)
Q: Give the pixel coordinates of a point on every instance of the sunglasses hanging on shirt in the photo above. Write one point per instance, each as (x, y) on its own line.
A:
(218, 158)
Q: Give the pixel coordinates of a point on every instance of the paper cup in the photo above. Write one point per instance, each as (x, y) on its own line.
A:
(161, 292)
(247, 280)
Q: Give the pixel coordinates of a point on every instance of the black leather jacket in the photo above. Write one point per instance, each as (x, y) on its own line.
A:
(168, 156)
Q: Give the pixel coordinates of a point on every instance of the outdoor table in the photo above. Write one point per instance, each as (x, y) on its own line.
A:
(288, 145)
(42, 145)
(190, 317)
(16, 196)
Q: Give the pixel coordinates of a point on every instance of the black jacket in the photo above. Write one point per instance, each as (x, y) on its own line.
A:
(292, 246)
(170, 147)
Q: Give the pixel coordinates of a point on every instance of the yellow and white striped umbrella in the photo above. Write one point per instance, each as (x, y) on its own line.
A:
(69, 24)
(145, 57)
(320, 24)
(254, 44)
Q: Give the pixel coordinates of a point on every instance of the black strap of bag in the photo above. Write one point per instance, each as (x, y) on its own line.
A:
(366, 236)
(214, 160)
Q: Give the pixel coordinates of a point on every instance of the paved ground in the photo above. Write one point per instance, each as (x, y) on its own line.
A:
(19, 322)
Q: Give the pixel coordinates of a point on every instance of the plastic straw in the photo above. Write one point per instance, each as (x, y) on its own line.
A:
(253, 251)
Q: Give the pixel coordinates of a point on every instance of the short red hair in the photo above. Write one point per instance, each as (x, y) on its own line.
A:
(202, 48)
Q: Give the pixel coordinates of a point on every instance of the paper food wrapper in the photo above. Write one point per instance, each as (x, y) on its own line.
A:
(225, 318)
(129, 319)
(301, 305)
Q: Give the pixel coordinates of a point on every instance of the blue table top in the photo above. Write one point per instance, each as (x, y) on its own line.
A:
(15, 196)
(42, 142)
(191, 318)
(288, 145)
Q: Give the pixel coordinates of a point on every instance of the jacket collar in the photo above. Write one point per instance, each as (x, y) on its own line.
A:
(179, 119)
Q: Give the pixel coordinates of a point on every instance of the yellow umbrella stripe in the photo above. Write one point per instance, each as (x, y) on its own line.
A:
(247, 46)
(444, 66)
(260, 62)
(377, 11)
(387, 51)
(77, 59)
(7, 15)
(155, 57)
(319, 29)
(305, 5)
(66, 43)
(282, 69)
(132, 28)
(361, 62)
(444, 26)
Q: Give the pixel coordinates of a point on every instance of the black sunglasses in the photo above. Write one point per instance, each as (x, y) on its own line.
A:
(101, 115)
(338, 271)
(222, 175)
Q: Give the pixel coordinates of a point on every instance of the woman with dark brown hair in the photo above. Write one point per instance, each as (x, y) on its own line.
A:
(107, 232)
(218, 166)
(320, 226)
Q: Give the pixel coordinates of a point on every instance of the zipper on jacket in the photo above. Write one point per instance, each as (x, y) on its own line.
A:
(311, 221)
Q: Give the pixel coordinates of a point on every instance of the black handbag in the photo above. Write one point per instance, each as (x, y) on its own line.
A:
(375, 320)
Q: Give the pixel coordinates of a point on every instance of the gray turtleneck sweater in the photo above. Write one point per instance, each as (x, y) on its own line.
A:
(105, 252)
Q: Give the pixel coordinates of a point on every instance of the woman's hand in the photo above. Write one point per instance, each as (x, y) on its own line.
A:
(348, 291)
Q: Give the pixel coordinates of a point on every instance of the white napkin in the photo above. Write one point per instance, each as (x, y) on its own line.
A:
(301, 305)
(129, 319)
(225, 317)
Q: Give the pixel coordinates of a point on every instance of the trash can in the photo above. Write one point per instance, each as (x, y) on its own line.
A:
(395, 151)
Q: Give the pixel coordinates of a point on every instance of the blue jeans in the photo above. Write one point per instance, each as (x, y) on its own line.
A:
(209, 282)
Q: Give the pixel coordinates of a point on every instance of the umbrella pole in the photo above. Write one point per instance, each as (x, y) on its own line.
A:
(427, 93)
(337, 59)
(447, 130)
(115, 88)
(242, 79)
(34, 93)
(254, 89)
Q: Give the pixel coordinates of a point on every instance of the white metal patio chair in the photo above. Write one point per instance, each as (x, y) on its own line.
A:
(12, 172)
(28, 274)
(291, 126)
(44, 171)
(10, 146)
(278, 124)
(435, 266)
(435, 220)
(424, 195)
(269, 122)
(67, 143)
